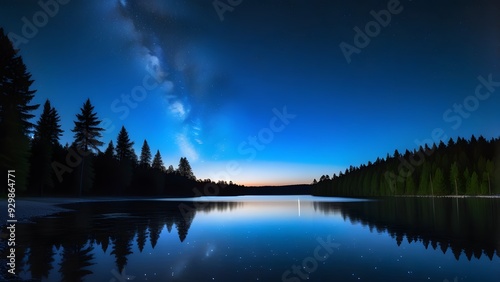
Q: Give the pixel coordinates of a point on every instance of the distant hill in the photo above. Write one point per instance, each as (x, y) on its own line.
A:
(298, 189)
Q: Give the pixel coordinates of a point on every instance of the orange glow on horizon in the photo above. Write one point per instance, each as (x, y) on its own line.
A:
(255, 174)
(270, 183)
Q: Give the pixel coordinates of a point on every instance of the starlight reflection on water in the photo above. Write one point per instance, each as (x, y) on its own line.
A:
(266, 239)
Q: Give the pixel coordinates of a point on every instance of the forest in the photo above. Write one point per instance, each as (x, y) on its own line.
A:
(460, 167)
(44, 167)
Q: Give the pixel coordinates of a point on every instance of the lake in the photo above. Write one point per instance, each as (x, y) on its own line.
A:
(266, 238)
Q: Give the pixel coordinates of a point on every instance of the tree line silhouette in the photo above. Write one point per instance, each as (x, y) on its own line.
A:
(461, 167)
(104, 226)
(44, 167)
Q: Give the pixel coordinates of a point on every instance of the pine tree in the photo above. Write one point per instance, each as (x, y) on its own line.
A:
(87, 135)
(126, 157)
(170, 169)
(410, 186)
(158, 162)
(467, 181)
(374, 184)
(87, 130)
(438, 183)
(44, 143)
(474, 184)
(15, 112)
(366, 183)
(110, 150)
(134, 159)
(145, 160)
(424, 183)
(108, 175)
(495, 177)
(454, 174)
(483, 184)
(157, 175)
(48, 128)
(124, 150)
(489, 172)
(184, 169)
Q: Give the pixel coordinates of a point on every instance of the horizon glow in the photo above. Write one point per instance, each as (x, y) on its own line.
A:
(266, 86)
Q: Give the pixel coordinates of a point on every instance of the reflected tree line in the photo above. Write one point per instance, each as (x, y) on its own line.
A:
(468, 227)
(104, 226)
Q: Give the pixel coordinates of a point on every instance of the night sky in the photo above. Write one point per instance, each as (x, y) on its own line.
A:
(267, 92)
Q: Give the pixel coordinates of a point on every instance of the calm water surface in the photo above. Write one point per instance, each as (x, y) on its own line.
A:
(266, 239)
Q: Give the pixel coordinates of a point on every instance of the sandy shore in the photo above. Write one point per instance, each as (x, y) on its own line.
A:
(27, 208)
(31, 207)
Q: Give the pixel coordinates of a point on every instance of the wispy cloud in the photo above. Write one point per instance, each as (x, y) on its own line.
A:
(186, 147)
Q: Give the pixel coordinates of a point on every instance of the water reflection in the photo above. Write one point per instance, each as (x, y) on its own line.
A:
(104, 225)
(250, 236)
(466, 226)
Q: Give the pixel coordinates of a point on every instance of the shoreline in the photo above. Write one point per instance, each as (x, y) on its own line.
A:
(28, 208)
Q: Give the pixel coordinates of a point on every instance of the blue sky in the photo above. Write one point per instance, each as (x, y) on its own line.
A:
(199, 81)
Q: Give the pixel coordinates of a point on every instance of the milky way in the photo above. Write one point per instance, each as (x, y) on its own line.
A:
(172, 48)
(221, 77)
